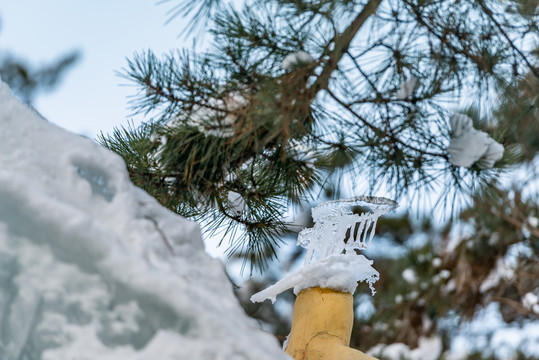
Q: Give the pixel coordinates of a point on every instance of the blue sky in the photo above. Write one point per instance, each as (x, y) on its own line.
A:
(92, 98)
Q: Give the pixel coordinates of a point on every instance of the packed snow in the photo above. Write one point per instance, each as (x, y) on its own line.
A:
(92, 267)
(469, 145)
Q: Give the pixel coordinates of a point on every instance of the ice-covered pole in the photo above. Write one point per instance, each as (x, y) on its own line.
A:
(323, 311)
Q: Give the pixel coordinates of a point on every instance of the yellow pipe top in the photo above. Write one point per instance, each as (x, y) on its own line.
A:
(322, 326)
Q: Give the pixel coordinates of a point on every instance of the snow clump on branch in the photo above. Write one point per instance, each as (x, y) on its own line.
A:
(408, 88)
(215, 117)
(469, 145)
(297, 59)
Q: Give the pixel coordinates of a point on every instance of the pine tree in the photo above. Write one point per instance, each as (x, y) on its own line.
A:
(420, 97)
(293, 92)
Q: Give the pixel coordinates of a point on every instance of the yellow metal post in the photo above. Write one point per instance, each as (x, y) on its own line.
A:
(322, 326)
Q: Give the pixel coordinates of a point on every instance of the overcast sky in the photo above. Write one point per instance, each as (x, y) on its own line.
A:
(92, 98)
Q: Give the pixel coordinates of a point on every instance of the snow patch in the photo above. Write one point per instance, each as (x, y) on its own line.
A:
(410, 276)
(236, 202)
(428, 349)
(531, 302)
(215, 117)
(502, 271)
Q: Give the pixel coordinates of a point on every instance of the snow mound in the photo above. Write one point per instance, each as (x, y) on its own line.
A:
(92, 267)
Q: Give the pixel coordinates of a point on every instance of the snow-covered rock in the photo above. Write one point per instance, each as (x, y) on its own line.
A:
(92, 267)
(469, 145)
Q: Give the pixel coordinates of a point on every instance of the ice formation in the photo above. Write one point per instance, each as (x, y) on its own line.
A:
(331, 260)
(296, 59)
(469, 145)
(92, 267)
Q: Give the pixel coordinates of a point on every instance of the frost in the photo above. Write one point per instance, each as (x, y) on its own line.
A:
(92, 267)
(331, 260)
(502, 339)
(469, 145)
(451, 286)
(494, 153)
(294, 60)
(412, 295)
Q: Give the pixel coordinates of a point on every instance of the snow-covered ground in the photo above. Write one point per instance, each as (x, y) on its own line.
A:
(92, 267)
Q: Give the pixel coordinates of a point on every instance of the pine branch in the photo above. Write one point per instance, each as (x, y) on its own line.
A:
(341, 44)
(380, 131)
(489, 13)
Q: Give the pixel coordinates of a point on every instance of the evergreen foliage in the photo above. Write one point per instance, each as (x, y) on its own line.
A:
(234, 136)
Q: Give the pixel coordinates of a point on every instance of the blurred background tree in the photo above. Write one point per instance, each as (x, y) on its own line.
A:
(299, 101)
(28, 81)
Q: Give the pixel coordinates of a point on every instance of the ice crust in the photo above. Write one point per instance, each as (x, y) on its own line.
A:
(332, 244)
(92, 267)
